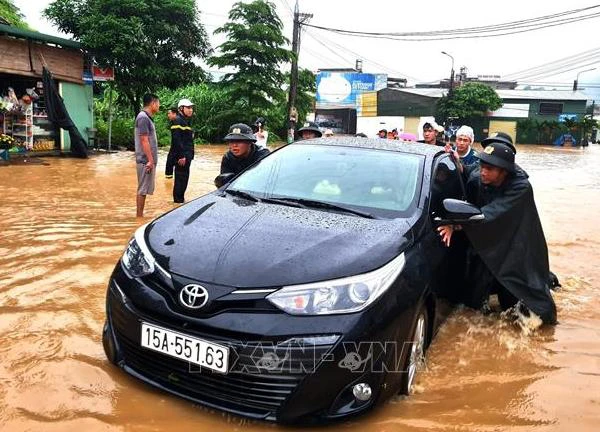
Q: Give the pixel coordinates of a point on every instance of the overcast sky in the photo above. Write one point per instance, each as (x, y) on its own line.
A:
(419, 61)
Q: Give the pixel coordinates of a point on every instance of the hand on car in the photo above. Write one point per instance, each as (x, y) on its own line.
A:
(445, 232)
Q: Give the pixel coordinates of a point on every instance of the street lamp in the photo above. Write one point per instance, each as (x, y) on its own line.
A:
(451, 73)
(577, 79)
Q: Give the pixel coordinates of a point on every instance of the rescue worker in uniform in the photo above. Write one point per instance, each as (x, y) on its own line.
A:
(309, 130)
(170, 165)
(182, 146)
(508, 254)
(242, 152)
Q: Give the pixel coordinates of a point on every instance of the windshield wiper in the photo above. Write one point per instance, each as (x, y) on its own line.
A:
(325, 205)
(282, 201)
(242, 194)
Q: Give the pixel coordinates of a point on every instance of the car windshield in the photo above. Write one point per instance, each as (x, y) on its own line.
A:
(378, 182)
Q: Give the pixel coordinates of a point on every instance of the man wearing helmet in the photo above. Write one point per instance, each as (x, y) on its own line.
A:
(182, 146)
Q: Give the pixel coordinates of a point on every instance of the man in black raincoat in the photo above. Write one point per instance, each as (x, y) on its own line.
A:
(509, 253)
(242, 153)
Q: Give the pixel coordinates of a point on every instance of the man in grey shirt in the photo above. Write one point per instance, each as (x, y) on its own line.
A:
(146, 150)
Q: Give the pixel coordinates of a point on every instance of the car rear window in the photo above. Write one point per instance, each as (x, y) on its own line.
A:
(371, 179)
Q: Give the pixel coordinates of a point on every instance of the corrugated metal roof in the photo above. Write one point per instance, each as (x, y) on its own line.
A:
(542, 94)
(36, 36)
(507, 94)
(427, 92)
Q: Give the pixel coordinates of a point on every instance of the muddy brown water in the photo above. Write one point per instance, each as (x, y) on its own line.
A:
(64, 225)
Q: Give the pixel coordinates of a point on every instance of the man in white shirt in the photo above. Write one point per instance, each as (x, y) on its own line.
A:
(261, 134)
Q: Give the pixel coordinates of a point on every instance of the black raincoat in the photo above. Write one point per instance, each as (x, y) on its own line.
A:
(510, 241)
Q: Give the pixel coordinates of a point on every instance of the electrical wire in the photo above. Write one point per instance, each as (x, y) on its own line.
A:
(557, 62)
(514, 27)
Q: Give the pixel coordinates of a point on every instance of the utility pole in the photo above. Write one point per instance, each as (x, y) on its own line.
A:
(299, 19)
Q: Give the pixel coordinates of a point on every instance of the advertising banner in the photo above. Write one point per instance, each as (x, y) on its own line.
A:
(341, 89)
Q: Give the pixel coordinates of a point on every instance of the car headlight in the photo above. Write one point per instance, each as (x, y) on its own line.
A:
(351, 294)
(137, 259)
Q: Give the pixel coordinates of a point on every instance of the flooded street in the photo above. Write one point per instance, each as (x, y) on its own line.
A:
(65, 223)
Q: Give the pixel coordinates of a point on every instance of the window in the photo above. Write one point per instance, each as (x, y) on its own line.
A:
(551, 108)
(445, 183)
(385, 183)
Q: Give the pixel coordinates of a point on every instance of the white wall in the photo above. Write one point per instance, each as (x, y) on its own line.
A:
(371, 125)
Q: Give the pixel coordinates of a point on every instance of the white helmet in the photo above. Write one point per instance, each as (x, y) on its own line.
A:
(185, 103)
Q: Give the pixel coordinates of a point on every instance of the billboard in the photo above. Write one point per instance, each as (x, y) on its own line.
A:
(340, 89)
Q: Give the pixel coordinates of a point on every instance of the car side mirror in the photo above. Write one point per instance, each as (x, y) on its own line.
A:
(223, 179)
(459, 212)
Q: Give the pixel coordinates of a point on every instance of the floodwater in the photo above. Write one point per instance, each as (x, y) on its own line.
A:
(64, 224)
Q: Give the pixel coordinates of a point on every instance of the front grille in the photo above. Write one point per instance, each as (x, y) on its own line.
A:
(262, 374)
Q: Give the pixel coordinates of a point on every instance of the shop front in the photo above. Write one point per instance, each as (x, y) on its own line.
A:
(25, 121)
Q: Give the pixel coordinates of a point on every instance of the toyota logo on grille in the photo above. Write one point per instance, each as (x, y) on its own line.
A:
(193, 296)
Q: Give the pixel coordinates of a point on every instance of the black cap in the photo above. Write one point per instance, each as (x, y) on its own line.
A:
(382, 130)
(260, 121)
(240, 132)
(311, 126)
(499, 155)
(500, 137)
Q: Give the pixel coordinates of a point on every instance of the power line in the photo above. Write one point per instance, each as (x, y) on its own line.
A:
(362, 57)
(562, 70)
(345, 60)
(570, 58)
(474, 32)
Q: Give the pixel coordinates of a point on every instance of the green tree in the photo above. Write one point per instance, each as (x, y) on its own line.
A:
(12, 14)
(468, 101)
(254, 49)
(276, 115)
(150, 43)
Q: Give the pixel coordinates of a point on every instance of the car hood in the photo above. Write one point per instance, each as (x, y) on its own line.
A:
(235, 242)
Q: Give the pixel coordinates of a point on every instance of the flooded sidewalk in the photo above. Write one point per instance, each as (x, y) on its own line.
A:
(65, 222)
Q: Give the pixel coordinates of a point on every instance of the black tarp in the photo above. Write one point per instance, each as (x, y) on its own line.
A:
(511, 241)
(57, 114)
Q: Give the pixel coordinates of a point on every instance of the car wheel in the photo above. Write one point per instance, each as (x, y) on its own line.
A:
(416, 354)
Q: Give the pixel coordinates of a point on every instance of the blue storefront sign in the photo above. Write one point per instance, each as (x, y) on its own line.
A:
(563, 117)
(340, 89)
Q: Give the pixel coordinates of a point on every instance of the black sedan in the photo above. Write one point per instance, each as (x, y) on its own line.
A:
(305, 289)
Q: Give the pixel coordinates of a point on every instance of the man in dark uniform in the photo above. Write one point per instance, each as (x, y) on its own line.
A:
(309, 130)
(243, 151)
(170, 165)
(509, 254)
(182, 146)
(430, 131)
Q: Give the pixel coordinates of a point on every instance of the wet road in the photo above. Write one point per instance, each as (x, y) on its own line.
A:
(63, 226)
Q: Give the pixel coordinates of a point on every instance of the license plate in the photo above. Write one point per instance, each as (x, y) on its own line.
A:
(198, 351)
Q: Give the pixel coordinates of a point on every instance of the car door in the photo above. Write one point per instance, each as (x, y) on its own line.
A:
(448, 263)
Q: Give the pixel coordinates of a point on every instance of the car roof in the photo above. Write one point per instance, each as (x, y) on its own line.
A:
(377, 144)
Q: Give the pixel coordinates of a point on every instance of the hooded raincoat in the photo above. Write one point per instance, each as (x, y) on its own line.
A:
(510, 241)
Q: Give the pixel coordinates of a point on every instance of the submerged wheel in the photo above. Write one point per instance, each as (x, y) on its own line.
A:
(416, 353)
